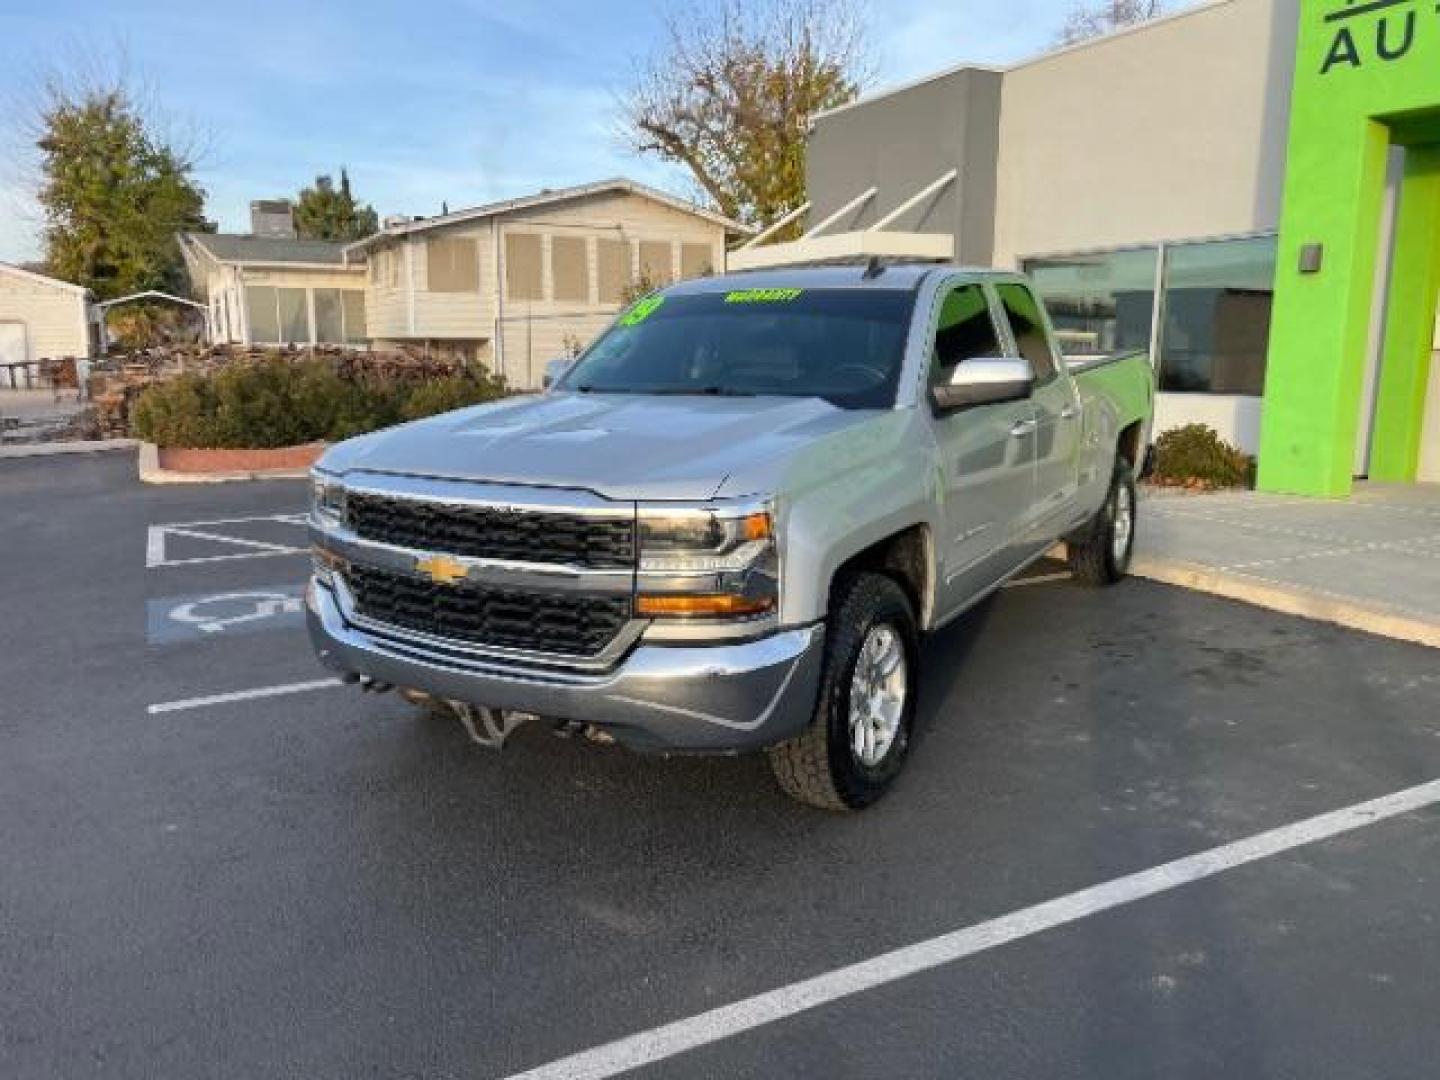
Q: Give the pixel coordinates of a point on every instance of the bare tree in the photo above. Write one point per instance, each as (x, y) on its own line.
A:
(731, 92)
(1091, 20)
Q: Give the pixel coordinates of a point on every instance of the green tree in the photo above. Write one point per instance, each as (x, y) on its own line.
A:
(1092, 20)
(325, 212)
(114, 195)
(731, 93)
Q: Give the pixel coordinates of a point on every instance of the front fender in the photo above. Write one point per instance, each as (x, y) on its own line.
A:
(846, 494)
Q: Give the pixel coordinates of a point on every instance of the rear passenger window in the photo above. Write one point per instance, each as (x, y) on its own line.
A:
(1028, 325)
(965, 331)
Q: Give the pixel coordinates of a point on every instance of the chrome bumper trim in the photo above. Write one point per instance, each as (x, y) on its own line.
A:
(497, 573)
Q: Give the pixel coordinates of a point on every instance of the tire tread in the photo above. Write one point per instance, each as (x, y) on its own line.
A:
(1090, 560)
(802, 765)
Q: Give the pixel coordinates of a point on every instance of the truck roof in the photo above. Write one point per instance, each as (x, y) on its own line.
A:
(892, 277)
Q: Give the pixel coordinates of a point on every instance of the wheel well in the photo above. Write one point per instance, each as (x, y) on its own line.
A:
(1129, 445)
(907, 558)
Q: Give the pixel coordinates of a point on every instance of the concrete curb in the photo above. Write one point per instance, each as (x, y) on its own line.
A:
(82, 446)
(152, 473)
(1290, 600)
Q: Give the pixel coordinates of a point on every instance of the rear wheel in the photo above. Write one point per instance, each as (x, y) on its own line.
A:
(1102, 555)
(859, 738)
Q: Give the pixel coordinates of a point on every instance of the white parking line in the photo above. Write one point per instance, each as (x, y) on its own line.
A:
(661, 1043)
(242, 695)
(157, 535)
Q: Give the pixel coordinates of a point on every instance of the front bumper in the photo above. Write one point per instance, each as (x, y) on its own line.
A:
(666, 699)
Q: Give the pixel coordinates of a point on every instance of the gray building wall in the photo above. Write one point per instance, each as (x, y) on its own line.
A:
(1175, 130)
(903, 141)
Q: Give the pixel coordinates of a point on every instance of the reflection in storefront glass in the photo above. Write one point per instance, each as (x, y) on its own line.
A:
(1217, 316)
(1101, 304)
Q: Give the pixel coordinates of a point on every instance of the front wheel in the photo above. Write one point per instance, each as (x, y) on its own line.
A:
(859, 738)
(1102, 555)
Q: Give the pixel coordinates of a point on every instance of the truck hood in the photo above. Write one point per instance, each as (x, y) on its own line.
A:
(619, 446)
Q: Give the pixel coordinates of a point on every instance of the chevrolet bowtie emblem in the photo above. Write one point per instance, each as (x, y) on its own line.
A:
(442, 569)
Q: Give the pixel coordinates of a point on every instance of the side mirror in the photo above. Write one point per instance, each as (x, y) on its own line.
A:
(984, 382)
(556, 369)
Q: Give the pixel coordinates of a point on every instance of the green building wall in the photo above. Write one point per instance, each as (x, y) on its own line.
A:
(1368, 77)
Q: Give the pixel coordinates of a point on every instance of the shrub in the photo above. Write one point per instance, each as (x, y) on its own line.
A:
(1196, 456)
(279, 402)
(455, 392)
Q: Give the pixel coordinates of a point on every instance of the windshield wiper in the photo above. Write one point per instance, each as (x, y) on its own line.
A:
(699, 391)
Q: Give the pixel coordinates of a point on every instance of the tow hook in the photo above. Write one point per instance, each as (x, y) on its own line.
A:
(487, 727)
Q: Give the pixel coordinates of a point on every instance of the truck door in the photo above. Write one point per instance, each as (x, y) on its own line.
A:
(1059, 424)
(987, 457)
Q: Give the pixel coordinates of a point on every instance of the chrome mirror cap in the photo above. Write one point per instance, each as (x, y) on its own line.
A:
(985, 382)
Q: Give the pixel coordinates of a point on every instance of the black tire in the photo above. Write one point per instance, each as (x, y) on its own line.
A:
(820, 767)
(1098, 556)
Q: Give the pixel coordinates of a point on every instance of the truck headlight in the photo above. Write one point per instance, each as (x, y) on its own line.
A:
(327, 496)
(703, 541)
(707, 563)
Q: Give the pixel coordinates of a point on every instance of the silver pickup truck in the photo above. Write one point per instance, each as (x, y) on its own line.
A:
(726, 527)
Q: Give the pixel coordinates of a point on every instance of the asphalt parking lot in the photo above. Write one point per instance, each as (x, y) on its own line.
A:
(197, 880)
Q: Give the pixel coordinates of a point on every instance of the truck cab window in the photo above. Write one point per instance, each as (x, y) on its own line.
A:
(1028, 325)
(965, 330)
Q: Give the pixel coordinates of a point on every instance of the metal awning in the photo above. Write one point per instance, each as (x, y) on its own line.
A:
(876, 241)
(930, 247)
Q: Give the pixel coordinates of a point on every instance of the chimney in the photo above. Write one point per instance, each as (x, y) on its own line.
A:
(272, 218)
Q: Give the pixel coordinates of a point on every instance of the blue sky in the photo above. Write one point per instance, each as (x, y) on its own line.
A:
(456, 100)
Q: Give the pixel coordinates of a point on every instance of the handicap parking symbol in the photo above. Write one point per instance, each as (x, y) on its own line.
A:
(219, 615)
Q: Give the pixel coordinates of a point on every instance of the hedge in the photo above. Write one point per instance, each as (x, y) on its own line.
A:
(279, 402)
(1196, 456)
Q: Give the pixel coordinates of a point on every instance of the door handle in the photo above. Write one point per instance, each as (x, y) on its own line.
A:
(1069, 412)
(1023, 428)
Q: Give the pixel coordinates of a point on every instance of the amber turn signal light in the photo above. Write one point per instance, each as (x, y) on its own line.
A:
(718, 605)
(756, 527)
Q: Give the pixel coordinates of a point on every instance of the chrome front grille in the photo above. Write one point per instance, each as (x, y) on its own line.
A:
(590, 541)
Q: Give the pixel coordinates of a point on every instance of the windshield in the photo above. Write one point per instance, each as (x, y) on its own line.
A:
(843, 345)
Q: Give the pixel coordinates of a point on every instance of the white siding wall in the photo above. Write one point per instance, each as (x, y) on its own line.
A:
(456, 316)
(386, 305)
(532, 341)
(54, 317)
(537, 331)
(530, 332)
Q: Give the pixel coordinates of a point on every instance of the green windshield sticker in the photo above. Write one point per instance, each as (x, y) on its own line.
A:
(642, 310)
(763, 296)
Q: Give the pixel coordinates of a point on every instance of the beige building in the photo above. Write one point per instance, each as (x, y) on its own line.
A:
(515, 284)
(268, 288)
(41, 318)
